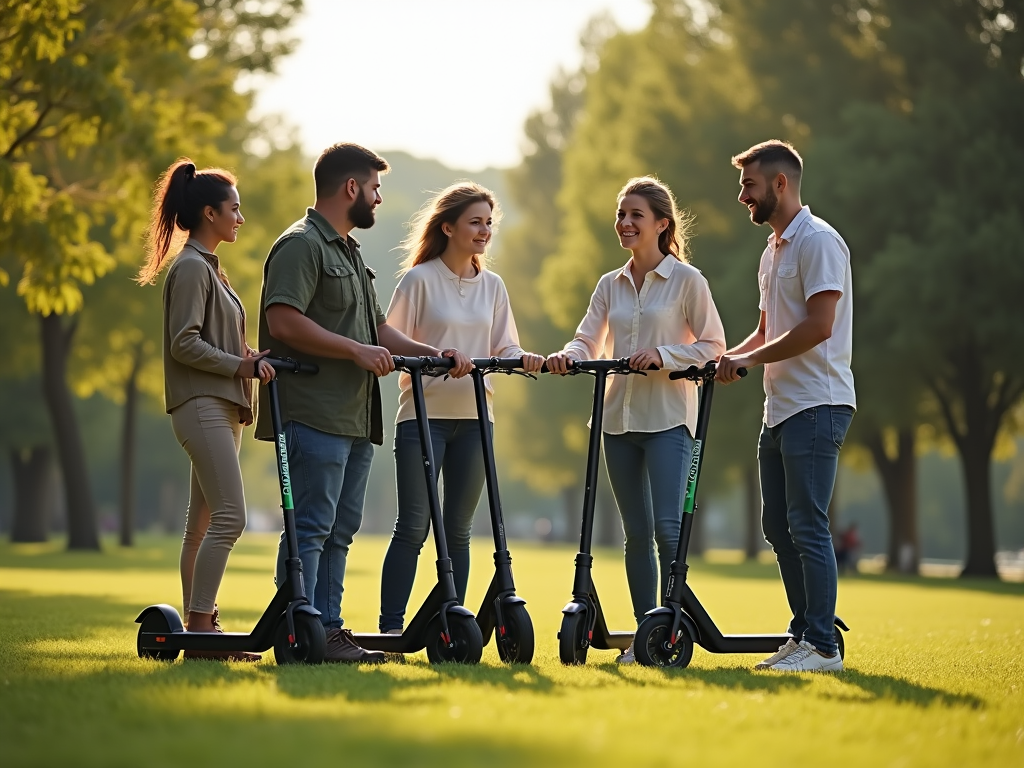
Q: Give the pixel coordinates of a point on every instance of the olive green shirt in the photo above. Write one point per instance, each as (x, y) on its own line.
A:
(314, 269)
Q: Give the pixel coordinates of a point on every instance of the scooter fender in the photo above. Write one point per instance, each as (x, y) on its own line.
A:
(574, 606)
(841, 624)
(513, 600)
(307, 608)
(170, 616)
(685, 620)
(461, 610)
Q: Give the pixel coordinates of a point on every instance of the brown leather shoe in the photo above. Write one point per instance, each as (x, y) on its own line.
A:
(342, 648)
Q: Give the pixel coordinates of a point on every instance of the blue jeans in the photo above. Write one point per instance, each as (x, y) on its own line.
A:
(647, 471)
(458, 457)
(798, 461)
(329, 475)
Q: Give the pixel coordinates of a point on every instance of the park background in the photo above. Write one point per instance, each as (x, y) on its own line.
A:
(909, 114)
(909, 117)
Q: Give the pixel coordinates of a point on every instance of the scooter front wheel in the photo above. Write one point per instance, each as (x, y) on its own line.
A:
(654, 647)
(155, 622)
(574, 638)
(515, 643)
(310, 641)
(467, 641)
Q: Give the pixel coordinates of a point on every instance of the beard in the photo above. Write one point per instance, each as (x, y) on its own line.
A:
(361, 213)
(765, 207)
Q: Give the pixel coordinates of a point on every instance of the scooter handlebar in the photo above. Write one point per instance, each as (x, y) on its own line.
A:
(693, 373)
(498, 363)
(612, 365)
(426, 365)
(290, 365)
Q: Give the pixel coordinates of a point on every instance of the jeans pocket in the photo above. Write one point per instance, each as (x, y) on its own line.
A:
(841, 417)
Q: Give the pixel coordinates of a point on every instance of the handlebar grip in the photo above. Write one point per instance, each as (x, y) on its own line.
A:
(693, 372)
(290, 365)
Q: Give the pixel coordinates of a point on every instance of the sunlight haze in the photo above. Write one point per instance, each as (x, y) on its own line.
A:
(448, 79)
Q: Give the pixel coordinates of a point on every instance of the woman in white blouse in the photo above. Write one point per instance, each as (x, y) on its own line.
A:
(448, 298)
(657, 311)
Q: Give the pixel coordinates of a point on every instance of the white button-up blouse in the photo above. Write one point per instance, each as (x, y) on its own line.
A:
(673, 311)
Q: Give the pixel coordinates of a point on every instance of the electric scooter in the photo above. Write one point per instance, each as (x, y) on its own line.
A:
(446, 629)
(290, 624)
(502, 611)
(583, 623)
(666, 636)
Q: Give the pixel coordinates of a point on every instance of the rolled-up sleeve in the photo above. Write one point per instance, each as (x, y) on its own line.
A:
(823, 264)
(702, 317)
(190, 284)
(592, 333)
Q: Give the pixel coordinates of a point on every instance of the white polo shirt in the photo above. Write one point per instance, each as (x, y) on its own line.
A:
(810, 258)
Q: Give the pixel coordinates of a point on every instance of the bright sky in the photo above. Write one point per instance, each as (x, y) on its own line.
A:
(448, 79)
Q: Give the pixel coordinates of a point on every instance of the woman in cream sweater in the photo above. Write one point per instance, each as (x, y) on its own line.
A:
(447, 298)
(207, 372)
(657, 311)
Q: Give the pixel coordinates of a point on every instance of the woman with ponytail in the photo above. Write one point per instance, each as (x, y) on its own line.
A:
(657, 311)
(208, 368)
(449, 299)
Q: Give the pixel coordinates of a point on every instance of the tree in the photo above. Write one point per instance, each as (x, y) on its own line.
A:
(94, 97)
(942, 177)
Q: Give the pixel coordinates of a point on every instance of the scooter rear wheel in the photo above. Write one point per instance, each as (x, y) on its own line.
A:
(467, 644)
(653, 644)
(155, 622)
(311, 641)
(516, 646)
(840, 642)
(573, 638)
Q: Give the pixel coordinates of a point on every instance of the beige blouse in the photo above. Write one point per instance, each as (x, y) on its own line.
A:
(674, 312)
(435, 306)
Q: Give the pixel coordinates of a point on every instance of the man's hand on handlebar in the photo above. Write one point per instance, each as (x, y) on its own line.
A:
(461, 365)
(728, 368)
(560, 362)
(532, 363)
(643, 359)
(376, 360)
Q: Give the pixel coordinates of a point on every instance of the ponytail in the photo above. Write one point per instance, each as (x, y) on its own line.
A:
(180, 196)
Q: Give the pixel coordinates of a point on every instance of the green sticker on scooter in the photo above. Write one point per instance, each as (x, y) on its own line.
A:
(691, 479)
(286, 478)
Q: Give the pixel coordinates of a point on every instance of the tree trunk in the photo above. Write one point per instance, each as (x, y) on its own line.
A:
(131, 392)
(81, 512)
(33, 493)
(899, 482)
(981, 540)
(752, 512)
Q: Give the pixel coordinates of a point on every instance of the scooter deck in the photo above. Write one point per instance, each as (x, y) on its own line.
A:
(413, 638)
(711, 639)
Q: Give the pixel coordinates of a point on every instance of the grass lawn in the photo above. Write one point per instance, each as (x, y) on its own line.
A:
(935, 676)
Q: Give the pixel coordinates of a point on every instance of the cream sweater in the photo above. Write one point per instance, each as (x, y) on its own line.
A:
(435, 306)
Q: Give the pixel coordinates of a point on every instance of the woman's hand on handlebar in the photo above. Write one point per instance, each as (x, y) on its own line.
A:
(253, 366)
(532, 363)
(643, 359)
(462, 364)
(559, 362)
(728, 368)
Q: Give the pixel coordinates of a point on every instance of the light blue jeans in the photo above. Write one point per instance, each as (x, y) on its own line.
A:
(458, 459)
(329, 475)
(647, 471)
(798, 461)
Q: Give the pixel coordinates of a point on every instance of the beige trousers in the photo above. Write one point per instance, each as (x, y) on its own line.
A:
(209, 431)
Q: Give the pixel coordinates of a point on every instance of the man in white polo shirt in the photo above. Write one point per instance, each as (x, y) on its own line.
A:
(804, 340)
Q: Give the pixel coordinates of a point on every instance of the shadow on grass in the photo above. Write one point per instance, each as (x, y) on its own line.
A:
(869, 687)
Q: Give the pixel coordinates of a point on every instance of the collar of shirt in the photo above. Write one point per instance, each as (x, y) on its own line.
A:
(209, 255)
(664, 268)
(794, 225)
(327, 229)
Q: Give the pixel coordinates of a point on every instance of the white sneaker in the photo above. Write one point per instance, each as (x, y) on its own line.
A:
(779, 655)
(807, 658)
(626, 657)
